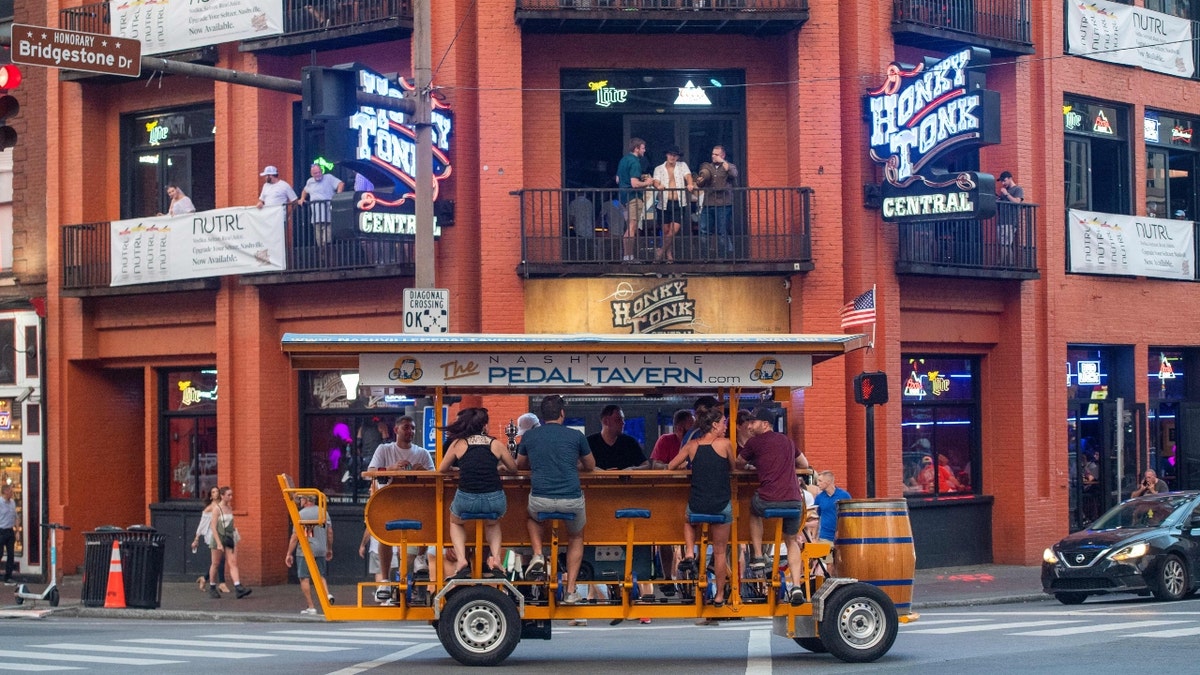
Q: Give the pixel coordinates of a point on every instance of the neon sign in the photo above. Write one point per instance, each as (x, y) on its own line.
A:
(606, 95)
(922, 116)
(690, 94)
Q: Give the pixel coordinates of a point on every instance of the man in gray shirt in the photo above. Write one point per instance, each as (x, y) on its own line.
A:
(319, 190)
(8, 533)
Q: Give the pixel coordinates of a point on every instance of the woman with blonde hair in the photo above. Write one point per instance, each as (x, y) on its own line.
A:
(204, 530)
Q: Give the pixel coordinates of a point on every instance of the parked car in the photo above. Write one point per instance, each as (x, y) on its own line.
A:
(1147, 545)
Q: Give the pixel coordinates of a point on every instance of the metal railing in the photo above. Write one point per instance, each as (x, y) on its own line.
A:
(1007, 241)
(686, 5)
(90, 18)
(999, 19)
(565, 227)
(87, 256)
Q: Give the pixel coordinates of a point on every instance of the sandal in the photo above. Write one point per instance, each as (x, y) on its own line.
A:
(718, 603)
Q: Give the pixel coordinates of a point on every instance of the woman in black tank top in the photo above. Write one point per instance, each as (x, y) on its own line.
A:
(711, 455)
(478, 458)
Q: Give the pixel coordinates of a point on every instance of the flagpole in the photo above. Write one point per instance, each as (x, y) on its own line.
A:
(874, 299)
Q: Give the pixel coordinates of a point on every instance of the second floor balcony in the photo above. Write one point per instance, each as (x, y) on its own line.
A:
(87, 259)
(1001, 247)
(755, 17)
(1003, 26)
(336, 24)
(763, 231)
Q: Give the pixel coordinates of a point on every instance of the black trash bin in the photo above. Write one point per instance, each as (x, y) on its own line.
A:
(142, 550)
(97, 552)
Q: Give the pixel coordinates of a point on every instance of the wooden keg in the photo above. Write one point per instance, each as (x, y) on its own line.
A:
(874, 544)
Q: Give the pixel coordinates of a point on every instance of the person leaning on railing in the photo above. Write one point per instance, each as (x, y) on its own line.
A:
(716, 177)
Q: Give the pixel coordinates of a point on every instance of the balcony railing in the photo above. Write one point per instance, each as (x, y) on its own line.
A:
(1004, 246)
(1001, 25)
(336, 24)
(87, 259)
(97, 18)
(579, 233)
(760, 17)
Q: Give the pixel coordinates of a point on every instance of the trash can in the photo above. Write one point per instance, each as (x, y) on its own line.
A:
(142, 550)
(97, 548)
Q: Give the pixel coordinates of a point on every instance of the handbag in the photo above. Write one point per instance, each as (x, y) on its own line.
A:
(227, 540)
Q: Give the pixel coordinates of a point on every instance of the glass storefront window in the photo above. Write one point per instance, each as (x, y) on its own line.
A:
(188, 433)
(173, 147)
(940, 426)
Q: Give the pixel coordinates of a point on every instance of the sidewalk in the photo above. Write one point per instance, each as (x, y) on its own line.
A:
(943, 587)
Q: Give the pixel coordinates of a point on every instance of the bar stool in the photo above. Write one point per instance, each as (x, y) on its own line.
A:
(780, 515)
(480, 520)
(703, 520)
(552, 564)
(629, 588)
(403, 526)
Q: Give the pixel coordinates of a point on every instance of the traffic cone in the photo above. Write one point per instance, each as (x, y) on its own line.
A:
(115, 597)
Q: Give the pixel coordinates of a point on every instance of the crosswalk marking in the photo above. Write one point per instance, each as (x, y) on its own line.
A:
(1170, 633)
(258, 644)
(383, 660)
(34, 667)
(213, 652)
(936, 622)
(335, 633)
(949, 630)
(84, 658)
(1080, 630)
(311, 640)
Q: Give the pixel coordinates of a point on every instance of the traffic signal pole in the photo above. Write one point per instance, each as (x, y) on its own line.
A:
(422, 118)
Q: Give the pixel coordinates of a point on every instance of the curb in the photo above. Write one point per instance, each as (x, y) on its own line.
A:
(978, 601)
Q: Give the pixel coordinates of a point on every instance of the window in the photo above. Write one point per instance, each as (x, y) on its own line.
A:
(8, 352)
(940, 426)
(1172, 166)
(1096, 157)
(188, 433)
(1185, 9)
(161, 149)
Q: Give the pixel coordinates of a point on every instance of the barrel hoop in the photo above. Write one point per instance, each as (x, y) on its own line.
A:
(873, 540)
(888, 582)
(871, 514)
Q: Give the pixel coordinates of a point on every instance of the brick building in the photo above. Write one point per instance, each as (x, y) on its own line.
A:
(982, 317)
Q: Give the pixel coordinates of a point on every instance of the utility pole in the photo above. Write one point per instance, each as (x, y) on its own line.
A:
(422, 120)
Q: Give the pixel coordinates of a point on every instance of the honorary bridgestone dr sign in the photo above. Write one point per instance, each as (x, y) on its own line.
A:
(49, 47)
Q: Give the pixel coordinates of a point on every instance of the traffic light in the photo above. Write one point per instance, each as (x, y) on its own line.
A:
(10, 78)
(328, 93)
(870, 388)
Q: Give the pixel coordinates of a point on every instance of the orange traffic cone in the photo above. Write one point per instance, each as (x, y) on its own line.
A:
(115, 598)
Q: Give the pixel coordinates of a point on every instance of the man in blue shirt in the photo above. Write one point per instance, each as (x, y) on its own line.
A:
(554, 455)
(630, 178)
(827, 494)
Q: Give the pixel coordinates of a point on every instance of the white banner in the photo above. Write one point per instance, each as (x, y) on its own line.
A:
(176, 25)
(1133, 36)
(1104, 243)
(238, 240)
(571, 370)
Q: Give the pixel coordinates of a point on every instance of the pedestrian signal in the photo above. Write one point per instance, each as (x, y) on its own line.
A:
(871, 388)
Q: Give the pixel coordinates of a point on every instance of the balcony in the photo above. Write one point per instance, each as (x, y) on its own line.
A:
(752, 17)
(1003, 26)
(87, 260)
(566, 233)
(336, 24)
(95, 18)
(1001, 247)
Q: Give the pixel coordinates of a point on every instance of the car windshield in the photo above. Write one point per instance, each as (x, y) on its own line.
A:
(1141, 513)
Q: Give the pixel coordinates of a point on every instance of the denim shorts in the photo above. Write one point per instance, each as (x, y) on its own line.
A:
(547, 505)
(791, 526)
(727, 512)
(478, 502)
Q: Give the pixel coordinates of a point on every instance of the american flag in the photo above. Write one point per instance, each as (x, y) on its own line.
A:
(860, 310)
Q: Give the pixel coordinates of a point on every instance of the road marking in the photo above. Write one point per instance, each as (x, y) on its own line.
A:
(84, 658)
(933, 622)
(758, 652)
(242, 645)
(1172, 633)
(383, 660)
(336, 633)
(1080, 630)
(309, 640)
(213, 652)
(34, 667)
(949, 630)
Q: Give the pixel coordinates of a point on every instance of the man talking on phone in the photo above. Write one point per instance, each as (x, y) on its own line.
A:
(1151, 484)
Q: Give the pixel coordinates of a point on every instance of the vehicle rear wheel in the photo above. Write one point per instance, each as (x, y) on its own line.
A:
(812, 644)
(860, 623)
(20, 600)
(54, 597)
(1071, 598)
(479, 626)
(1171, 582)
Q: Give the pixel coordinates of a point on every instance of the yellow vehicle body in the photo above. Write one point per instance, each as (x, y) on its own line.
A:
(481, 620)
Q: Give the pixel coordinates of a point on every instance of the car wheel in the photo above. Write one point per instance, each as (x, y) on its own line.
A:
(860, 623)
(1071, 598)
(1171, 582)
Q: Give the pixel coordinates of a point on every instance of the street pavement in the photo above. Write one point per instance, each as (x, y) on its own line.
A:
(941, 587)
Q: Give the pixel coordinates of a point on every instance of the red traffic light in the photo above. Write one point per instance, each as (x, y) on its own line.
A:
(10, 76)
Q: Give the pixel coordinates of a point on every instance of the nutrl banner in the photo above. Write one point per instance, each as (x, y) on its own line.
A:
(1132, 36)
(1104, 243)
(238, 240)
(569, 370)
(176, 25)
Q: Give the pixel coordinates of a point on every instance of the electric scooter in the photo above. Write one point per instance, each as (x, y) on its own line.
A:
(50, 593)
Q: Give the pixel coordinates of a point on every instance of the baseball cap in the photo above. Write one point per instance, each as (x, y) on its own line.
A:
(764, 414)
(1180, 213)
(674, 150)
(269, 171)
(526, 422)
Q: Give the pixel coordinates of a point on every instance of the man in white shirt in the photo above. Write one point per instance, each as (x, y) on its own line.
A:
(275, 191)
(401, 455)
(319, 190)
(8, 534)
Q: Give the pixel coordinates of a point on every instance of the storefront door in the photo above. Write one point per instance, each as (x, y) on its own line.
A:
(1186, 467)
(1105, 467)
(160, 149)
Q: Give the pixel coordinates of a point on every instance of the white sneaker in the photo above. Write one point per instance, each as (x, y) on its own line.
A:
(627, 258)
(572, 598)
(329, 598)
(383, 593)
(309, 610)
(420, 564)
(536, 564)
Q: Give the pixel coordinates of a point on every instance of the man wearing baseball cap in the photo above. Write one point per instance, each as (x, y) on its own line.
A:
(776, 459)
(275, 191)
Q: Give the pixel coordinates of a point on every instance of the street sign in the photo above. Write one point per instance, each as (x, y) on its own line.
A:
(428, 422)
(426, 310)
(89, 52)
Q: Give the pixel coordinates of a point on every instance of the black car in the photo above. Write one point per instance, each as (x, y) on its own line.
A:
(1146, 545)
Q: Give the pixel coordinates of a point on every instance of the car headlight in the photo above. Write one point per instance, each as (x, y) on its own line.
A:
(1132, 551)
(1049, 557)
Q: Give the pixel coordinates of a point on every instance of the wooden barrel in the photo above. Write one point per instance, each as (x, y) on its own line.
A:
(874, 544)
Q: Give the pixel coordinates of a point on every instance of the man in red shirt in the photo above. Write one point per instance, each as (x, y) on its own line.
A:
(668, 445)
(776, 459)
